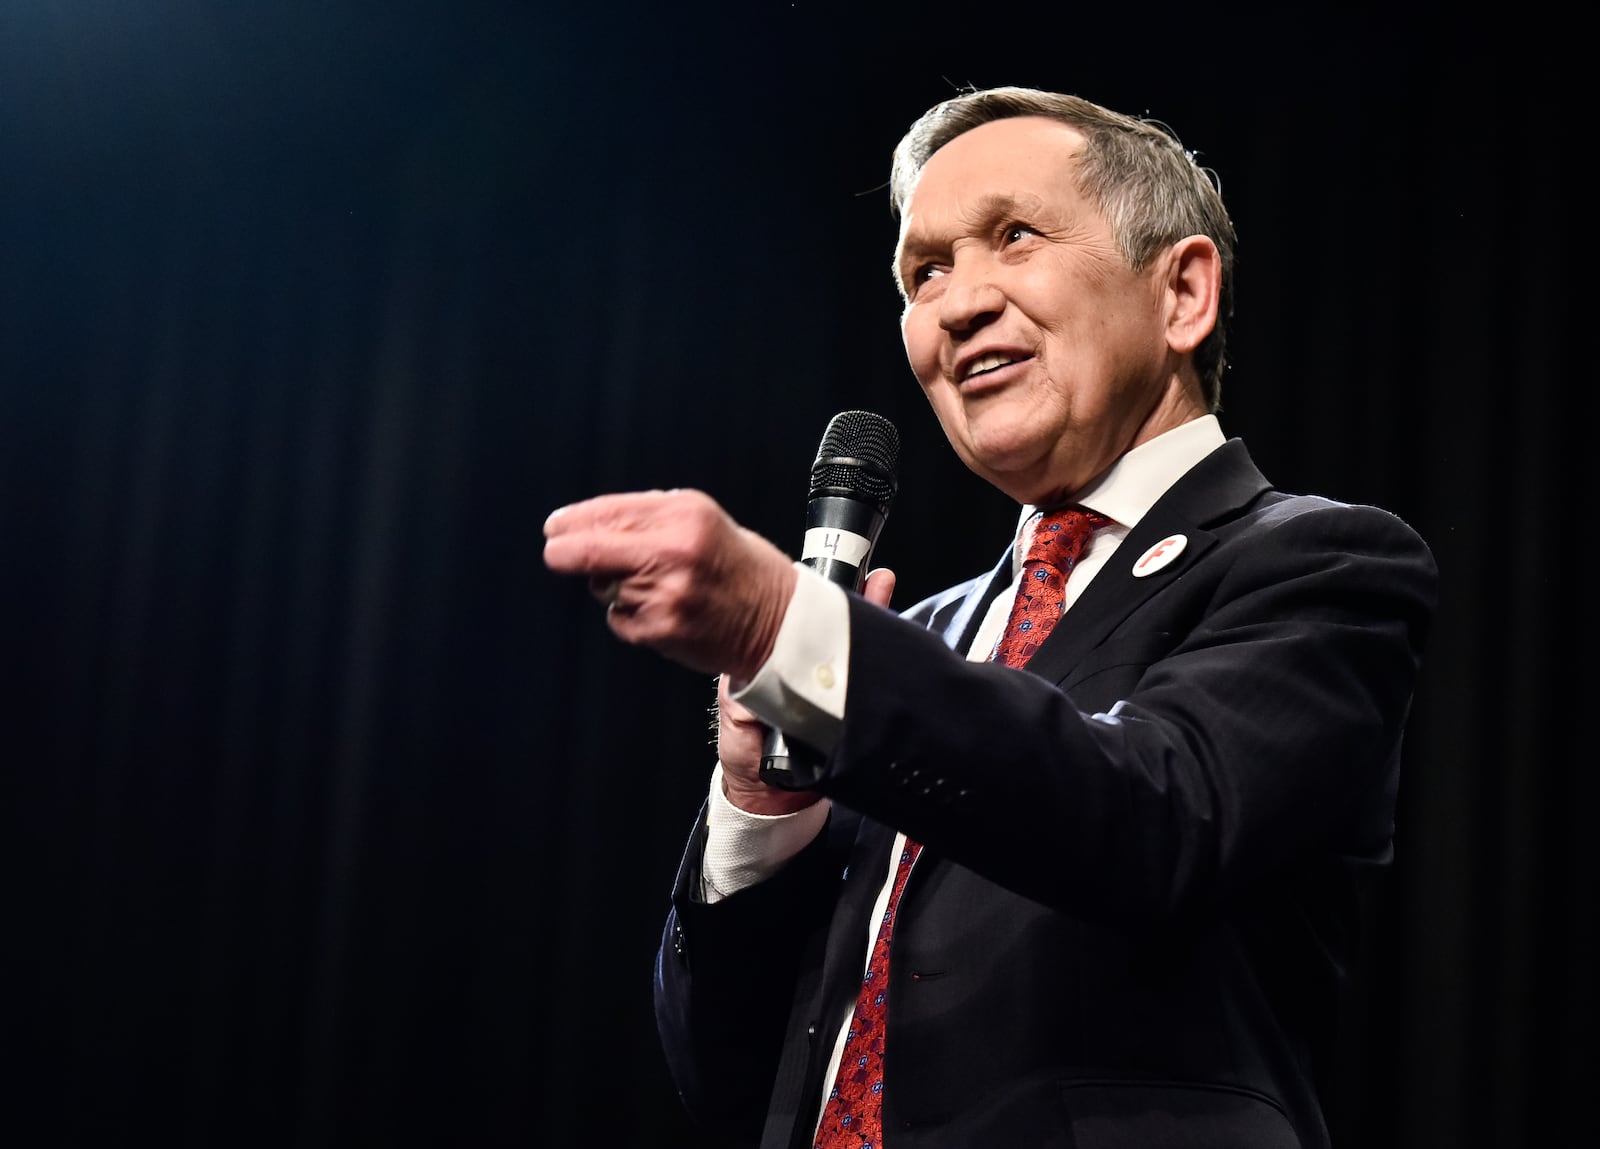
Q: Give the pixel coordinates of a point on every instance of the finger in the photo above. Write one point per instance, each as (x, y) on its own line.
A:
(587, 555)
(620, 534)
(879, 587)
(620, 511)
(600, 550)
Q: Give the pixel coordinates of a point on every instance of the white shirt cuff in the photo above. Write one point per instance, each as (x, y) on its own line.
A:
(743, 849)
(801, 688)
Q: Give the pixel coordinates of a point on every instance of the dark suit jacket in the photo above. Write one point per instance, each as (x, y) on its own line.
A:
(1138, 892)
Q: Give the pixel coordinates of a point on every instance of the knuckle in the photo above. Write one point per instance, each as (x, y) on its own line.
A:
(701, 510)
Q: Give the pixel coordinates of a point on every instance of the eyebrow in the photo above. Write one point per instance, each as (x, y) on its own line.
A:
(986, 212)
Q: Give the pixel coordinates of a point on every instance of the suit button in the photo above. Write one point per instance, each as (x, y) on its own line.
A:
(678, 943)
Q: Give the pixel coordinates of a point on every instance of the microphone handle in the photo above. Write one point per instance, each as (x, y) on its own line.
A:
(840, 535)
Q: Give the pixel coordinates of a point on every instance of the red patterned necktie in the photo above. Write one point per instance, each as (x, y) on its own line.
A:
(853, 1115)
(1053, 550)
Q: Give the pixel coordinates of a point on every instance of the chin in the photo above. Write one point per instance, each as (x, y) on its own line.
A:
(1035, 477)
(1011, 446)
(1020, 483)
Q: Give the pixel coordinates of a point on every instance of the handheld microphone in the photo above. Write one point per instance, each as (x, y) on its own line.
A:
(853, 481)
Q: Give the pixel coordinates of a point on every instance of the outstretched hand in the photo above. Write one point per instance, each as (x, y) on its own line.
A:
(678, 575)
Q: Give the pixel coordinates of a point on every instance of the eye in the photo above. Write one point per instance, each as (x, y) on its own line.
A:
(1017, 232)
(921, 274)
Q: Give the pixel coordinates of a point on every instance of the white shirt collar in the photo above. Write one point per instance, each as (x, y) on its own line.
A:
(1128, 488)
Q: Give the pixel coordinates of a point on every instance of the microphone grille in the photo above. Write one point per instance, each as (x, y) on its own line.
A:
(859, 458)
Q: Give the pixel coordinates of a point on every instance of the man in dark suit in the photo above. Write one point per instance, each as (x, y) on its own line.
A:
(1095, 891)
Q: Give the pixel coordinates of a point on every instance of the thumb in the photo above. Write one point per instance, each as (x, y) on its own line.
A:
(879, 586)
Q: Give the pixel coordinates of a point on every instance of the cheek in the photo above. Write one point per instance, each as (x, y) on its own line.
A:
(920, 334)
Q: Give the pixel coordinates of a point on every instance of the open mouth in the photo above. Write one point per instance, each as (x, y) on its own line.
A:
(991, 362)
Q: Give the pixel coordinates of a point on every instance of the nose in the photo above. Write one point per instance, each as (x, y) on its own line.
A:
(971, 297)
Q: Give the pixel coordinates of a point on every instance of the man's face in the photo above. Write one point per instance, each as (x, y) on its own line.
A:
(1044, 355)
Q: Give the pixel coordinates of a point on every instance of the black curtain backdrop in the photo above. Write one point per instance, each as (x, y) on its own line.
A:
(331, 819)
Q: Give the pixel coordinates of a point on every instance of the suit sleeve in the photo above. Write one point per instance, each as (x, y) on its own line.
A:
(1244, 722)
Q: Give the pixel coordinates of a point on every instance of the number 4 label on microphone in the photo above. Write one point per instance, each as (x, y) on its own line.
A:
(833, 543)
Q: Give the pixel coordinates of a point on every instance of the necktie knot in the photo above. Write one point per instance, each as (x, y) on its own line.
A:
(1059, 536)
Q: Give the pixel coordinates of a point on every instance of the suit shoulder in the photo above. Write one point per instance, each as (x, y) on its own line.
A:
(1282, 530)
(1278, 509)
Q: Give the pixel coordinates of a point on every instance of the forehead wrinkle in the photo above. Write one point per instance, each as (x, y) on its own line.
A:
(993, 208)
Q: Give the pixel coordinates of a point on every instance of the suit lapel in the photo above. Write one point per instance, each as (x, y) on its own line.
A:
(963, 625)
(1217, 487)
(862, 883)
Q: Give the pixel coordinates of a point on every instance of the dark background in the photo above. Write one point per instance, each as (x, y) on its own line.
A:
(332, 819)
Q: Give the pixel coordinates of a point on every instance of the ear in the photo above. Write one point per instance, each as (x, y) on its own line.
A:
(1193, 292)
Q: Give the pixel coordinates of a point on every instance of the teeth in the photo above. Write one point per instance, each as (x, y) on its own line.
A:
(988, 363)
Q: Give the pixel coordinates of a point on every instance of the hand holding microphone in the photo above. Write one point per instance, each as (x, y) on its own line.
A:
(853, 482)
